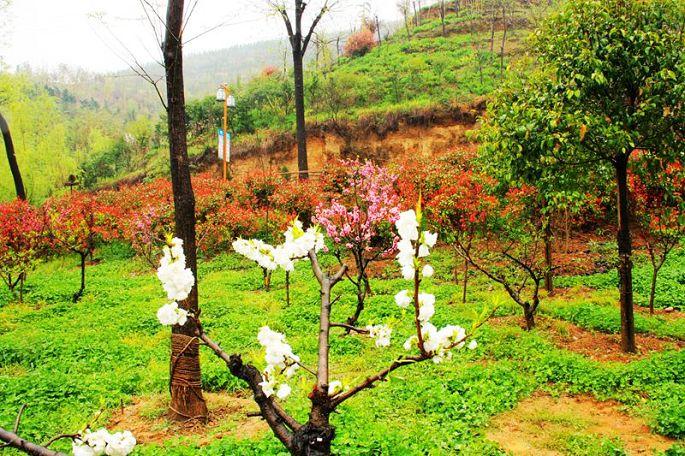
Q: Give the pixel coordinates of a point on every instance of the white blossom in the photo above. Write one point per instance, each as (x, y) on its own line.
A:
(267, 386)
(258, 251)
(408, 226)
(280, 361)
(101, 442)
(80, 448)
(402, 299)
(177, 280)
(472, 345)
(381, 334)
(412, 248)
(297, 245)
(170, 315)
(410, 342)
(423, 251)
(426, 306)
(408, 272)
(429, 239)
(120, 444)
(335, 387)
(283, 391)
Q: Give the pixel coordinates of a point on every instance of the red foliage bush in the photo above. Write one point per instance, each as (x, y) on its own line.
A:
(359, 43)
(22, 241)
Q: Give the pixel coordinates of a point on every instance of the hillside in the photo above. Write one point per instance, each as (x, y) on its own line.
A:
(421, 77)
(414, 88)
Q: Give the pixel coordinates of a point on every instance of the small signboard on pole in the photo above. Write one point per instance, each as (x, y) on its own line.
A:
(221, 146)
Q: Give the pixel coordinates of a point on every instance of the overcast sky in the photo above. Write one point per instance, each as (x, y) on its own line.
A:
(46, 33)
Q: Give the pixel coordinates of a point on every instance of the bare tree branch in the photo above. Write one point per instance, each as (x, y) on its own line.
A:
(12, 440)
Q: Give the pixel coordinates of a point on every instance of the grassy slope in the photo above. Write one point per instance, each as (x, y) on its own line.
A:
(69, 360)
(428, 70)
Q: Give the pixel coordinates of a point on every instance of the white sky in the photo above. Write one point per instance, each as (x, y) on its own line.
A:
(46, 33)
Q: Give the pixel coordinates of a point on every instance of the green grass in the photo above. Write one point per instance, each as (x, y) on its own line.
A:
(670, 289)
(67, 361)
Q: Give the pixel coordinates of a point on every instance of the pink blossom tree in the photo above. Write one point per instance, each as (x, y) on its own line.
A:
(359, 220)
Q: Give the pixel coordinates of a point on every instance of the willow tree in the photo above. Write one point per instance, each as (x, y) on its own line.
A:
(299, 37)
(619, 72)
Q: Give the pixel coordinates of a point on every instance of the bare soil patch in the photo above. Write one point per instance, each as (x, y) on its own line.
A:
(595, 345)
(146, 418)
(600, 346)
(671, 316)
(545, 426)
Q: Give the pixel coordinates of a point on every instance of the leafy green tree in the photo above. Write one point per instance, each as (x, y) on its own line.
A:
(39, 134)
(518, 132)
(619, 71)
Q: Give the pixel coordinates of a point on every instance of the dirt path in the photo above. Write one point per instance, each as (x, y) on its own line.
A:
(545, 426)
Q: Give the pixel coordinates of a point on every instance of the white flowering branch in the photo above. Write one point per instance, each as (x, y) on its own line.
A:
(370, 382)
(315, 436)
(84, 443)
(282, 424)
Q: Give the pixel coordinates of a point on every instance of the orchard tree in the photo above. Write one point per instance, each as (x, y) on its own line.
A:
(359, 219)
(508, 247)
(517, 134)
(76, 223)
(459, 210)
(187, 402)
(658, 195)
(619, 81)
(22, 242)
(271, 385)
(293, 13)
(147, 216)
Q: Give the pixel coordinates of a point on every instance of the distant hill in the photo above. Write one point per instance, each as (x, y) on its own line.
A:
(126, 94)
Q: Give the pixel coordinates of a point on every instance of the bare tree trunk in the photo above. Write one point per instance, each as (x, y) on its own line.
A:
(298, 70)
(504, 40)
(529, 315)
(625, 265)
(378, 30)
(549, 275)
(266, 279)
(79, 293)
(362, 285)
(12, 159)
(443, 13)
(465, 281)
(492, 30)
(187, 402)
(652, 290)
(407, 26)
(287, 288)
(299, 42)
